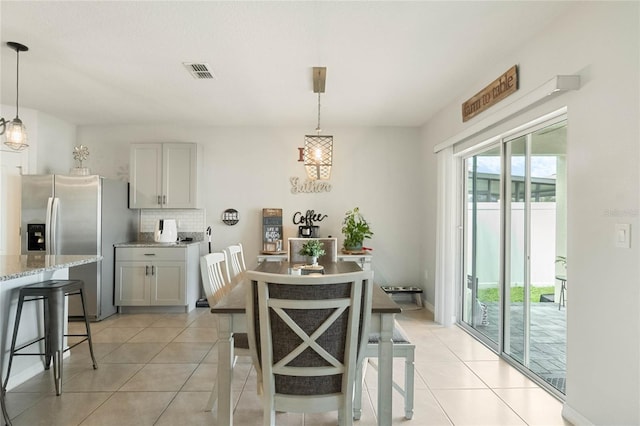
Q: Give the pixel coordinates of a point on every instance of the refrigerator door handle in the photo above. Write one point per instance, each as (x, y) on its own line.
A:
(47, 226)
(54, 224)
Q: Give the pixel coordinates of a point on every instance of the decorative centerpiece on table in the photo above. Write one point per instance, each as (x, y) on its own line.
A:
(80, 154)
(313, 250)
(355, 230)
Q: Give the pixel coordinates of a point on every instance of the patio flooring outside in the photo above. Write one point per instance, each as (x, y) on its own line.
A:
(548, 340)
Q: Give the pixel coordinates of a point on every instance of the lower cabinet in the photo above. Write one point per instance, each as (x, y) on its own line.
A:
(163, 276)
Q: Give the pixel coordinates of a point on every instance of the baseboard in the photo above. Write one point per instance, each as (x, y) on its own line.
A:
(428, 306)
(574, 417)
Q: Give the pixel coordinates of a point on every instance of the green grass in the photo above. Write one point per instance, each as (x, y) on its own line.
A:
(517, 293)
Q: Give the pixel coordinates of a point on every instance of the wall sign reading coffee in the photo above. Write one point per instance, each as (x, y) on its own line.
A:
(309, 217)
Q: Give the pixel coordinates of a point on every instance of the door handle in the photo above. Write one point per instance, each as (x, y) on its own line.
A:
(47, 231)
(153, 270)
(146, 270)
(164, 199)
(159, 200)
(54, 225)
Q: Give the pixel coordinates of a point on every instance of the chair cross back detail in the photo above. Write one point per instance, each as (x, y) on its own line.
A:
(309, 341)
(304, 335)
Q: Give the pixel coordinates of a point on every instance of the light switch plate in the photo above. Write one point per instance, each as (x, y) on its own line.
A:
(622, 235)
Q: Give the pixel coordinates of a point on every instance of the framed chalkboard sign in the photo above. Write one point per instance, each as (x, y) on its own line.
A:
(272, 231)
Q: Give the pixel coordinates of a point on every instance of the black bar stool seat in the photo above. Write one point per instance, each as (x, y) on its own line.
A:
(52, 293)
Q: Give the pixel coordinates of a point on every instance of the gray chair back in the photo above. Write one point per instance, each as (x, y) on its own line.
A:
(330, 246)
(305, 333)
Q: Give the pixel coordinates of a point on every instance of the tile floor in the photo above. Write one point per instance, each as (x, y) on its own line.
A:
(158, 370)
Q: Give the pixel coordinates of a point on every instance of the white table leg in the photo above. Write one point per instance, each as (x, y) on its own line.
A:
(225, 370)
(385, 369)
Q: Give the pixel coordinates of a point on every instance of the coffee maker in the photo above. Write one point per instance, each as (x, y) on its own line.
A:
(308, 231)
(166, 231)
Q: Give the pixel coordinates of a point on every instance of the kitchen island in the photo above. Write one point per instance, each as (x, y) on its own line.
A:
(17, 271)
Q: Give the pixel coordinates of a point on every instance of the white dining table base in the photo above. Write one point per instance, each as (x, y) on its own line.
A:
(236, 323)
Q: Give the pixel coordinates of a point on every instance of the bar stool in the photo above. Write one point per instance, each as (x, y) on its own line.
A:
(53, 294)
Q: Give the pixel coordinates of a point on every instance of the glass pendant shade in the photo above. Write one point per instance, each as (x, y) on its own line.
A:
(14, 131)
(318, 156)
(16, 135)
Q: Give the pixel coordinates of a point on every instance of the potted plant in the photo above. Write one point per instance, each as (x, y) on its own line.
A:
(355, 230)
(313, 250)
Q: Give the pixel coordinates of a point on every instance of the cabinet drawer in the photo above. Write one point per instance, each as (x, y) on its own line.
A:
(149, 254)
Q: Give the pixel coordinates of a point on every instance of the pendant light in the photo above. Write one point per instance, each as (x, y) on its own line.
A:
(318, 149)
(15, 131)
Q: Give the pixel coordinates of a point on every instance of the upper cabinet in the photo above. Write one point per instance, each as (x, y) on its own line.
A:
(163, 175)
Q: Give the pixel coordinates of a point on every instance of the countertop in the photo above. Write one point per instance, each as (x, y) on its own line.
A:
(17, 266)
(157, 245)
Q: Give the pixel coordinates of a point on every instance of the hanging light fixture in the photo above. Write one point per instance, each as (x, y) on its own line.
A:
(15, 131)
(318, 149)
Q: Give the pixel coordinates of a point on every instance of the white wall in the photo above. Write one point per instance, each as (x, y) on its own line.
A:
(600, 42)
(50, 140)
(248, 169)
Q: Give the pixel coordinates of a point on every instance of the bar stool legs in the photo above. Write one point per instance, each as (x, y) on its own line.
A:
(88, 330)
(5, 415)
(53, 294)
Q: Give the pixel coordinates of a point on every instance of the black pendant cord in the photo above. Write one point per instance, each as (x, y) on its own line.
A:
(17, 79)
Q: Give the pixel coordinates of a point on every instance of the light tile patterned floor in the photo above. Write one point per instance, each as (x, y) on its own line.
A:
(158, 369)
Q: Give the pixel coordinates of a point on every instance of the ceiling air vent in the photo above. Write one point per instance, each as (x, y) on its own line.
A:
(199, 70)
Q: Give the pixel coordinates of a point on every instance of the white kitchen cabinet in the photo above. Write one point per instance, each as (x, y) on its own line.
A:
(163, 175)
(157, 276)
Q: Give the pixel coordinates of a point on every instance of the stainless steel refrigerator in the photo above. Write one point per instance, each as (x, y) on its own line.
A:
(79, 215)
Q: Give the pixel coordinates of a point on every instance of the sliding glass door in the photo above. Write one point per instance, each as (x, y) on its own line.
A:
(481, 275)
(514, 233)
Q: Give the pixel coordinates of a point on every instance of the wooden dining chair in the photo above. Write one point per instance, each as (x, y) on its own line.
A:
(235, 257)
(330, 246)
(216, 284)
(305, 333)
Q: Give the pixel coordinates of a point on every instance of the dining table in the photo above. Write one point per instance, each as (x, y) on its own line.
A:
(231, 312)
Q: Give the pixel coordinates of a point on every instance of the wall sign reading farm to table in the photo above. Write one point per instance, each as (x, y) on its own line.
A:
(499, 89)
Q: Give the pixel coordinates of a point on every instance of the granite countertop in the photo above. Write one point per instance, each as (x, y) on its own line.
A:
(154, 244)
(17, 266)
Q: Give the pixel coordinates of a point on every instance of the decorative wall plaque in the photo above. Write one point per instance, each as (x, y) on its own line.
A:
(499, 89)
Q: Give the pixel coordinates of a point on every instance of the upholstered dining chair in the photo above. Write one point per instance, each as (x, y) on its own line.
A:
(236, 265)
(305, 333)
(330, 246)
(215, 282)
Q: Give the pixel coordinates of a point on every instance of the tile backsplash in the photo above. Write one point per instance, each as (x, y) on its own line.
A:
(190, 222)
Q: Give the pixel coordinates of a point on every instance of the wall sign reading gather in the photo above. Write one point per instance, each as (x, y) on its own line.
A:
(308, 186)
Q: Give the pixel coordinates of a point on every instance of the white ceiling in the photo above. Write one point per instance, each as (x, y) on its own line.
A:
(389, 63)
